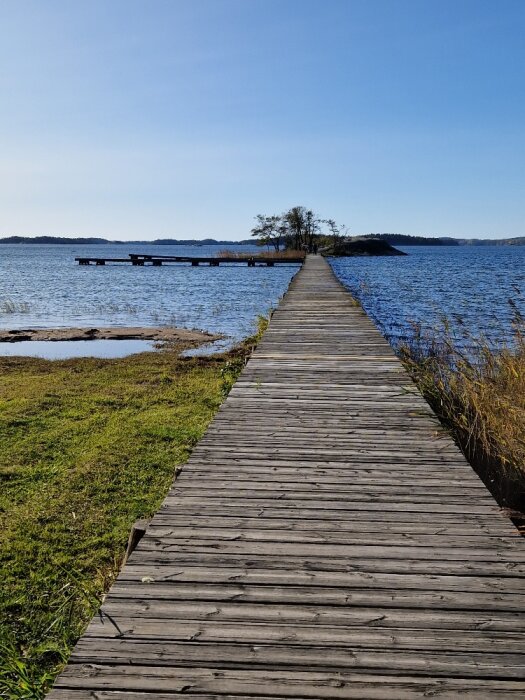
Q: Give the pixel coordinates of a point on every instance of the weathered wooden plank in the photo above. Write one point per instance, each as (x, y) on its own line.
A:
(238, 655)
(83, 694)
(394, 504)
(210, 508)
(89, 694)
(390, 466)
(345, 528)
(330, 498)
(317, 479)
(315, 492)
(146, 608)
(351, 578)
(499, 570)
(430, 598)
(374, 478)
(319, 453)
(305, 550)
(187, 535)
(286, 683)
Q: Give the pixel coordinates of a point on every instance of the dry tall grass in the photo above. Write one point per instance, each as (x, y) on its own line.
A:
(271, 254)
(480, 394)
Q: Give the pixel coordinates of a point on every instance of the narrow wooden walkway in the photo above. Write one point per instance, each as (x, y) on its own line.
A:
(325, 540)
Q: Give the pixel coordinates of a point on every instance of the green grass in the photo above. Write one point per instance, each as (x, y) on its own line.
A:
(86, 448)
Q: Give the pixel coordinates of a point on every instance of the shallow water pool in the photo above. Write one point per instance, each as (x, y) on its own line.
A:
(67, 349)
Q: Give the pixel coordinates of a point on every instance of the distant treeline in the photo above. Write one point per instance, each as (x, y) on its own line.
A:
(519, 240)
(392, 238)
(103, 241)
(402, 239)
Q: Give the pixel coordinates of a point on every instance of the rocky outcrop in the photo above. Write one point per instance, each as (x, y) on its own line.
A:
(350, 247)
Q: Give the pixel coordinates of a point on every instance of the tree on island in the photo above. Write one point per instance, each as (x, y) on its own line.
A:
(269, 231)
(296, 229)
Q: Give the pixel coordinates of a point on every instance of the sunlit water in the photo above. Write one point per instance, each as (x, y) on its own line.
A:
(41, 286)
(471, 286)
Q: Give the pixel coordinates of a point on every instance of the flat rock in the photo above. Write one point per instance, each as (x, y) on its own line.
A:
(165, 334)
(362, 247)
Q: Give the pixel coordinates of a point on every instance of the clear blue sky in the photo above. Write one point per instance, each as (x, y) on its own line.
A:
(185, 118)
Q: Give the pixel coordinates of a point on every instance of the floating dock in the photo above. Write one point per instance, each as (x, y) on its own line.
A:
(159, 260)
(326, 539)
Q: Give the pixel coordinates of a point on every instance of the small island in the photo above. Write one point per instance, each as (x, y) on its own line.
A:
(300, 230)
(360, 247)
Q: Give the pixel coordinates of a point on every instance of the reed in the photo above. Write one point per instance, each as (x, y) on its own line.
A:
(478, 391)
(271, 254)
(9, 306)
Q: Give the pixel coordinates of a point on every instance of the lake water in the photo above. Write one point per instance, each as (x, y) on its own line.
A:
(64, 349)
(471, 285)
(41, 286)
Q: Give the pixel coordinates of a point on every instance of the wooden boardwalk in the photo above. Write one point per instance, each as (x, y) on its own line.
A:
(325, 540)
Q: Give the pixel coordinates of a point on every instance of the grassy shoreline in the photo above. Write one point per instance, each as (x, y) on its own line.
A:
(87, 447)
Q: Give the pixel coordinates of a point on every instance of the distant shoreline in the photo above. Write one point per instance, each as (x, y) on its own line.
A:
(391, 238)
(60, 240)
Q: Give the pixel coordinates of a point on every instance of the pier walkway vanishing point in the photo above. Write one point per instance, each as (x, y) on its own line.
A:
(326, 539)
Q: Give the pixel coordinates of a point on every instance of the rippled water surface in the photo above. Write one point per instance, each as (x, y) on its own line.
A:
(469, 285)
(41, 286)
